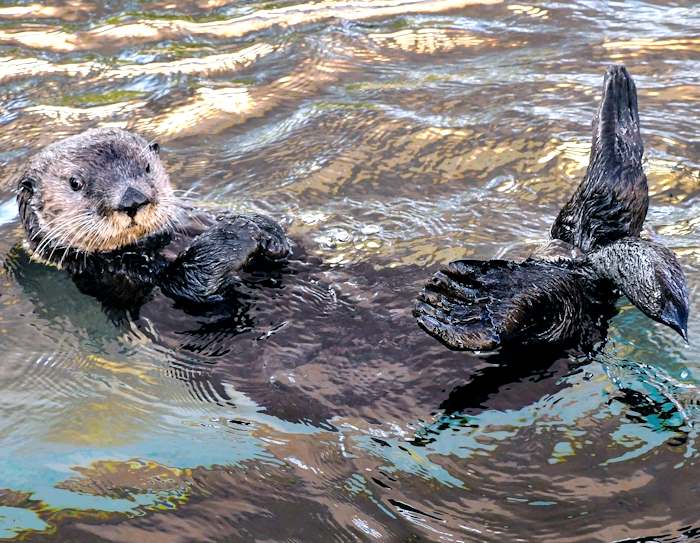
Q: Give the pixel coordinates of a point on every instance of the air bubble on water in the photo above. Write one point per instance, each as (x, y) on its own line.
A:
(342, 235)
(312, 217)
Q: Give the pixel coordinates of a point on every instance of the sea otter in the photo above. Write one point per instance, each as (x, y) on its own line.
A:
(100, 205)
(566, 295)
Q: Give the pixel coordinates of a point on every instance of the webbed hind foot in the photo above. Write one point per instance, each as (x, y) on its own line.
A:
(482, 306)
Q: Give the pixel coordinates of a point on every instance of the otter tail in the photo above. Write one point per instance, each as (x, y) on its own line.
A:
(481, 306)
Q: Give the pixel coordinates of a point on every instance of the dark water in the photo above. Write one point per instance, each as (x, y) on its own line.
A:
(389, 137)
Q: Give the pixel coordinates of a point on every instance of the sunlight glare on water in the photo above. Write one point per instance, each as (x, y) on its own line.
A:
(389, 137)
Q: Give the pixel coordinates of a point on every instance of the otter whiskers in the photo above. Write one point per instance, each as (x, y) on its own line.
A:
(58, 231)
(100, 205)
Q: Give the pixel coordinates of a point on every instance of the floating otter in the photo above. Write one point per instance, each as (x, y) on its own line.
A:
(565, 294)
(100, 205)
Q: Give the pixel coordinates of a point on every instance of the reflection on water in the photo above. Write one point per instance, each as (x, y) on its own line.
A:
(389, 137)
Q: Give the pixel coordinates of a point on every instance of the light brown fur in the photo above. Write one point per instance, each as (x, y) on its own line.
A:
(107, 161)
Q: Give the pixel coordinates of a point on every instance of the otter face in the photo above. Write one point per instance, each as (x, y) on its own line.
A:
(95, 192)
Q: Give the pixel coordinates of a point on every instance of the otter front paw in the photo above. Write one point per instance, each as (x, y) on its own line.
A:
(210, 266)
(273, 243)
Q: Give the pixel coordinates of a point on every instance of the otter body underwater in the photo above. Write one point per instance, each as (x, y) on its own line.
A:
(100, 205)
(565, 294)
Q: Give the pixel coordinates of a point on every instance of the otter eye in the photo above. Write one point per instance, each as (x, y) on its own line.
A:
(148, 168)
(75, 183)
(155, 148)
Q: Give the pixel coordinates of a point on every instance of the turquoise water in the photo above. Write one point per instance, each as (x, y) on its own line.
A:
(389, 138)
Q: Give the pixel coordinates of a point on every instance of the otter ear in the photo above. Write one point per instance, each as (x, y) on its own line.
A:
(26, 183)
(650, 276)
(155, 147)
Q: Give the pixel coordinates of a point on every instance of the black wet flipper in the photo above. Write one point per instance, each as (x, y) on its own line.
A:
(481, 306)
(617, 124)
(650, 276)
(612, 200)
(565, 294)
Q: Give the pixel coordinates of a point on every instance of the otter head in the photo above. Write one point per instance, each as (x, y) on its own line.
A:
(97, 191)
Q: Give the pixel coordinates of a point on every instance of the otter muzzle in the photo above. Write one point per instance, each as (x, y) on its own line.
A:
(131, 201)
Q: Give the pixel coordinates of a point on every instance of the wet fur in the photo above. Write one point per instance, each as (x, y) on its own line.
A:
(56, 216)
(477, 305)
(564, 296)
(658, 287)
(612, 200)
(119, 258)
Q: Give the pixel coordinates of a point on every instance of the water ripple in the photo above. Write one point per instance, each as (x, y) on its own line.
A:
(389, 137)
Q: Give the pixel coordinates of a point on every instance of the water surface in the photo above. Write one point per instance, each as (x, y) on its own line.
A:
(389, 137)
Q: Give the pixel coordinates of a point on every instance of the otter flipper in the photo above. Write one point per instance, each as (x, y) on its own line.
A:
(481, 306)
(473, 305)
(209, 268)
(650, 276)
(612, 200)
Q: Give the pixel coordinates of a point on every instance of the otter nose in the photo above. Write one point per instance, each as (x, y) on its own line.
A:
(132, 200)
